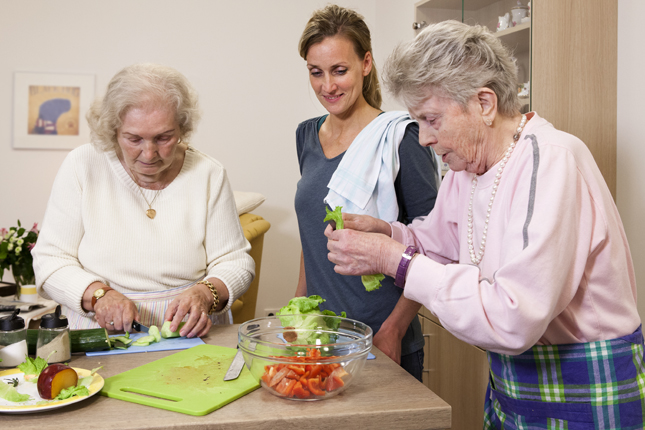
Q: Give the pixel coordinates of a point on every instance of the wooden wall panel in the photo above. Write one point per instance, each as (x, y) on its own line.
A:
(574, 73)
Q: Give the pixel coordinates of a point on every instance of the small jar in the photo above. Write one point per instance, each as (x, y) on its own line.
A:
(13, 340)
(54, 343)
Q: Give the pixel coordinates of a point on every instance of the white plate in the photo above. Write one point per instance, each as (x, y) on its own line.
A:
(30, 388)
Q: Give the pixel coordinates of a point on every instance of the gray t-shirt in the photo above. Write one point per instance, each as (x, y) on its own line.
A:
(416, 192)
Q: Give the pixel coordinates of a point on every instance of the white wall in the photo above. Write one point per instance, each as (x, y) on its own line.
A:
(242, 57)
(630, 192)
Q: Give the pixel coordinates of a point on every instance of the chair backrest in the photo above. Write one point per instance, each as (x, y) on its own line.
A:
(254, 227)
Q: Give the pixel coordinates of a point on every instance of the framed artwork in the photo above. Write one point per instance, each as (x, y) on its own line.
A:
(49, 110)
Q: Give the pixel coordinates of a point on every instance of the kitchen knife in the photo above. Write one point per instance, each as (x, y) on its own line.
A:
(139, 327)
(236, 366)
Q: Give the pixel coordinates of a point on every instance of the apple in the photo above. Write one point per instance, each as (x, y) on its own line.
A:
(54, 378)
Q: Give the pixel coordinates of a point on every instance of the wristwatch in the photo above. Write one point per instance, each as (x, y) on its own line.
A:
(99, 294)
(402, 270)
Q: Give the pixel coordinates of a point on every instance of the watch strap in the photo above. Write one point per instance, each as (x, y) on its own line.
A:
(402, 270)
(95, 299)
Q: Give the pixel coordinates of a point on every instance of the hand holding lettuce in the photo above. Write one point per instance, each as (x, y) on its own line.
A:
(370, 282)
(304, 313)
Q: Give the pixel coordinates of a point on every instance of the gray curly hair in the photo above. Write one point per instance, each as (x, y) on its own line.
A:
(456, 59)
(142, 85)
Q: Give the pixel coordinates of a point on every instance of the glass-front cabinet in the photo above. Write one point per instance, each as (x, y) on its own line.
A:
(565, 51)
(510, 20)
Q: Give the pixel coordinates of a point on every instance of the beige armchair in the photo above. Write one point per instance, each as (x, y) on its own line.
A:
(254, 227)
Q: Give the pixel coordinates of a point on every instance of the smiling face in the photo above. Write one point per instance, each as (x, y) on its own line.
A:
(148, 139)
(336, 73)
(454, 134)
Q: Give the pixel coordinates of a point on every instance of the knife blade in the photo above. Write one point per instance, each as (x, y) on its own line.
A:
(236, 366)
(139, 327)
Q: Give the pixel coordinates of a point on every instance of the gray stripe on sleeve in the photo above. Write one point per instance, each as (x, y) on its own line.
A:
(529, 212)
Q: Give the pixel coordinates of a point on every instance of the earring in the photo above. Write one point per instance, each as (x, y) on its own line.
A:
(488, 122)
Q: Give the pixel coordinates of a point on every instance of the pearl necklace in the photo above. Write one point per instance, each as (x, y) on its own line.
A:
(476, 258)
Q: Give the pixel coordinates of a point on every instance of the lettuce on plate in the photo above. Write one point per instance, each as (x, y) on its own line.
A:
(303, 313)
(370, 282)
(8, 392)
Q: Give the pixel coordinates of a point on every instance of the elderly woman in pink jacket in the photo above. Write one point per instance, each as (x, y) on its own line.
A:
(524, 254)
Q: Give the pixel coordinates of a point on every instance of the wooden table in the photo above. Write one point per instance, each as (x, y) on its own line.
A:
(383, 397)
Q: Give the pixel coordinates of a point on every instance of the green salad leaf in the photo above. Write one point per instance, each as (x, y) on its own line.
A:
(336, 216)
(303, 313)
(87, 381)
(8, 392)
(78, 390)
(370, 282)
(33, 366)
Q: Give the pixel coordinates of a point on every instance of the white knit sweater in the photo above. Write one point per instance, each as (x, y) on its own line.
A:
(96, 229)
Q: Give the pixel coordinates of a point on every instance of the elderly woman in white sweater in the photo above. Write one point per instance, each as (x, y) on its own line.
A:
(141, 226)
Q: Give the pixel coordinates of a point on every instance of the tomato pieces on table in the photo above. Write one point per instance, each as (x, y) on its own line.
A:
(304, 381)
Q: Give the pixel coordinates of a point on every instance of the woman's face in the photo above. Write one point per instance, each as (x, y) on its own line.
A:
(454, 134)
(148, 140)
(336, 73)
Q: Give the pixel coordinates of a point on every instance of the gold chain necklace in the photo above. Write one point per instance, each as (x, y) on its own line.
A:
(151, 213)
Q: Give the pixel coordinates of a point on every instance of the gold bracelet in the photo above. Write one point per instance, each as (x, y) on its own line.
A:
(215, 295)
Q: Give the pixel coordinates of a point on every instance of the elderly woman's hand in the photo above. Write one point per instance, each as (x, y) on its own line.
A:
(196, 302)
(366, 223)
(359, 253)
(114, 311)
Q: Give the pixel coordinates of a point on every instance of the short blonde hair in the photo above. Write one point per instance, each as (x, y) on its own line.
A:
(141, 85)
(335, 20)
(456, 59)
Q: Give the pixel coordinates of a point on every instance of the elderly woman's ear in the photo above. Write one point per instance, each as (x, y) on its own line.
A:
(487, 101)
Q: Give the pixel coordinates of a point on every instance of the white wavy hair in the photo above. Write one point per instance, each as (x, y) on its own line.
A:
(456, 59)
(141, 85)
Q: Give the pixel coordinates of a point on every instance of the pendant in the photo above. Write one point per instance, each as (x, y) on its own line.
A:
(151, 213)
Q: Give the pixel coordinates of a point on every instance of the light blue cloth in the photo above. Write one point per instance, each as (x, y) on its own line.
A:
(363, 183)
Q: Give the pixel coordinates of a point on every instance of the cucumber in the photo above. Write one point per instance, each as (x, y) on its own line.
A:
(92, 339)
(154, 331)
(165, 330)
(144, 341)
(122, 339)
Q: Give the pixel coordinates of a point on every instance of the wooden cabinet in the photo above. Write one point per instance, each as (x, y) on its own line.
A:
(568, 54)
(456, 371)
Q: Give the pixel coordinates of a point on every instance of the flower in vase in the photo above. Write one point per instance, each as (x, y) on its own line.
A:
(16, 244)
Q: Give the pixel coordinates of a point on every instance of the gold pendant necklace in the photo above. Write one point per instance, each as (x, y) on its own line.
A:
(151, 213)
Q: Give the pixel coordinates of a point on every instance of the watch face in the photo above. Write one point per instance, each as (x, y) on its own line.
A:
(99, 293)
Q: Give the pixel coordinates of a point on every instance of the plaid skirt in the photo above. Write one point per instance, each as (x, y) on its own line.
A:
(151, 306)
(595, 385)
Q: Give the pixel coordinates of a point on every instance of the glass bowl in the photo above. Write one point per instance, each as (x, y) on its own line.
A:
(311, 363)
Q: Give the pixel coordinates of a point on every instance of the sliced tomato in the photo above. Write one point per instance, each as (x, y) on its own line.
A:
(279, 376)
(285, 387)
(335, 380)
(314, 386)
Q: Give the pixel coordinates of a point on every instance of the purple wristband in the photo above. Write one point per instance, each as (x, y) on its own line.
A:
(399, 280)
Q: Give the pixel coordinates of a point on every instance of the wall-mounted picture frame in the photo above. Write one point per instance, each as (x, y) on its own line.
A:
(49, 110)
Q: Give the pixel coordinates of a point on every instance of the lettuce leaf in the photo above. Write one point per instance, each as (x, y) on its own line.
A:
(370, 282)
(87, 381)
(303, 313)
(335, 216)
(78, 390)
(32, 366)
(8, 392)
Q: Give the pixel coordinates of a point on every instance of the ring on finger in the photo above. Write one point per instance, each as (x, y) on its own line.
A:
(111, 323)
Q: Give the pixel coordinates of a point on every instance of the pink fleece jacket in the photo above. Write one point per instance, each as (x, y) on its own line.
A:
(557, 267)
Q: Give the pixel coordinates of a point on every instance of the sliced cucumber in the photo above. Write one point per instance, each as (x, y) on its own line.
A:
(165, 330)
(154, 331)
(123, 339)
(138, 342)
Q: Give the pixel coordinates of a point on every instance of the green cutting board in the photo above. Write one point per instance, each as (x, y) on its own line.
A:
(190, 381)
